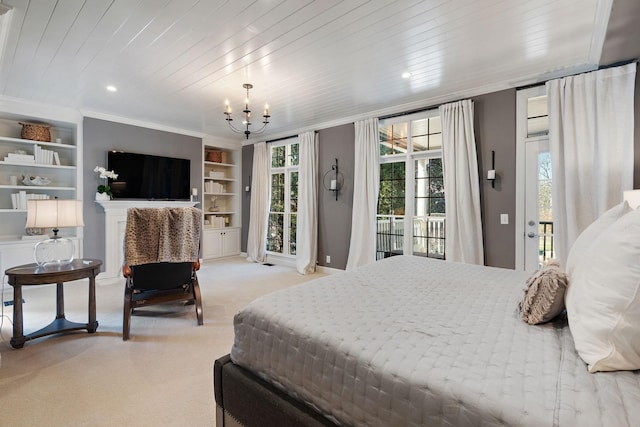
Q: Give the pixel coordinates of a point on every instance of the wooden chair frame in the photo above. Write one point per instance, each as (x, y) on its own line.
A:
(135, 298)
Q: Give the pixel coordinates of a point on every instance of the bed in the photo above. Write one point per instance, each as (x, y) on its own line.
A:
(412, 341)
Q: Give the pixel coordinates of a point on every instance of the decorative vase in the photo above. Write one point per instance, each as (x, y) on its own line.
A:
(102, 197)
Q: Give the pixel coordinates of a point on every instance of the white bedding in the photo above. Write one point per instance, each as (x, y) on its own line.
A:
(411, 341)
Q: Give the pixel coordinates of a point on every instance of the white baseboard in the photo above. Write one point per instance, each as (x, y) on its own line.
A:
(328, 270)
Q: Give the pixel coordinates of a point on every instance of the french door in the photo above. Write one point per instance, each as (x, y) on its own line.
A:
(538, 241)
(534, 216)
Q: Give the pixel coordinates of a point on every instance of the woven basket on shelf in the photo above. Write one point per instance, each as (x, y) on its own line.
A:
(214, 156)
(35, 132)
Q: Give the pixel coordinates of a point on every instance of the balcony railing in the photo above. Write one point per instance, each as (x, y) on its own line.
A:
(428, 236)
(546, 249)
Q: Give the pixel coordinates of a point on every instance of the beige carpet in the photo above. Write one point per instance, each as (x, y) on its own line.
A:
(161, 377)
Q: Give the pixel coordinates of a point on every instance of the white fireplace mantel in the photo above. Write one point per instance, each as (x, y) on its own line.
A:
(115, 222)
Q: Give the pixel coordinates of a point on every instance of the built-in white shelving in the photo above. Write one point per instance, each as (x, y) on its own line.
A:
(60, 170)
(221, 202)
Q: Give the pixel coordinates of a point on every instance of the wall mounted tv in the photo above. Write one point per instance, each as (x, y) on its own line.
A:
(144, 176)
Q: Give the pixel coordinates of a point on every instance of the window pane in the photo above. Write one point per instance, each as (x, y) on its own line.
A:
(437, 206)
(420, 245)
(435, 125)
(435, 141)
(537, 106)
(420, 236)
(546, 246)
(295, 158)
(389, 236)
(426, 134)
(544, 186)
(538, 126)
(275, 232)
(420, 143)
(277, 192)
(278, 156)
(435, 247)
(392, 188)
(428, 187)
(293, 191)
(393, 139)
(435, 168)
(419, 127)
(428, 237)
(537, 116)
(292, 233)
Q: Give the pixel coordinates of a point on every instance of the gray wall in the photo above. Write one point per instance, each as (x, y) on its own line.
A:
(247, 166)
(636, 133)
(495, 129)
(334, 216)
(100, 136)
(495, 121)
(495, 116)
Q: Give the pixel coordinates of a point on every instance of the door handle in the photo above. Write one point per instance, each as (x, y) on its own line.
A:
(531, 235)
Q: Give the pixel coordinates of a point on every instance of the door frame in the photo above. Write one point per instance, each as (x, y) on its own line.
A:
(521, 139)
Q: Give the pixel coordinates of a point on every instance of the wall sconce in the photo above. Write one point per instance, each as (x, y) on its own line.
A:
(491, 173)
(333, 183)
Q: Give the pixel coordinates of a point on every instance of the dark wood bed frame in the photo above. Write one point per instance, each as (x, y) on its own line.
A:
(243, 399)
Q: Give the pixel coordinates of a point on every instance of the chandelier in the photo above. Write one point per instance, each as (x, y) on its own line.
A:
(247, 116)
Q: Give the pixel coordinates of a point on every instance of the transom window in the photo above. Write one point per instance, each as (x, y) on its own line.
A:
(537, 116)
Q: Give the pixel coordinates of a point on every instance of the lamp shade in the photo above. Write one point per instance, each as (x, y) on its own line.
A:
(54, 213)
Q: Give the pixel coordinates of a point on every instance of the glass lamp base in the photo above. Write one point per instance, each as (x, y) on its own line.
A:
(54, 251)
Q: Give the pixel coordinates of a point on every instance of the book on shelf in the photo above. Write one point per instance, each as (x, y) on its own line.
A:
(214, 187)
(20, 158)
(217, 221)
(19, 199)
(43, 156)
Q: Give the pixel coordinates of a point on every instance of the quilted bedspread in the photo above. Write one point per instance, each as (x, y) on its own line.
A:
(410, 341)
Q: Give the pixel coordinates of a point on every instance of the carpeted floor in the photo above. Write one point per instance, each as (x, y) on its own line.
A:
(161, 377)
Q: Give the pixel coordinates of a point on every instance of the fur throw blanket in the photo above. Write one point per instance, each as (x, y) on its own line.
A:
(162, 235)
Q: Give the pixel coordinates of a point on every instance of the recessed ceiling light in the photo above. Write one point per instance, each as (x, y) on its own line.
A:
(112, 88)
(406, 75)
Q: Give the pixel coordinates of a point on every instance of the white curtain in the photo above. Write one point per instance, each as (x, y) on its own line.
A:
(463, 241)
(591, 144)
(366, 177)
(307, 224)
(260, 199)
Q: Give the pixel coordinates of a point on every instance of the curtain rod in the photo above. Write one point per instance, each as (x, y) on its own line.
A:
(281, 139)
(419, 110)
(285, 137)
(602, 67)
(406, 113)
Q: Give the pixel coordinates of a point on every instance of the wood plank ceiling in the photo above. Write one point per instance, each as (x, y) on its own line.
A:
(321, 62)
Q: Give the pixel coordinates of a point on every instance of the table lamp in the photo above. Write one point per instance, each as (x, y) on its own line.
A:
(54, 213)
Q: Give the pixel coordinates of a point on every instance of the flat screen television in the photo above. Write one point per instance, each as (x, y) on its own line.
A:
(144, 176)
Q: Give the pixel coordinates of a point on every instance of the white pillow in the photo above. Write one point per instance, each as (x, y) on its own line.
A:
(603, 298)
(586, 238)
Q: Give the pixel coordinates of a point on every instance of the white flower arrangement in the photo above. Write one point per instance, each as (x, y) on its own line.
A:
(105, 174)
